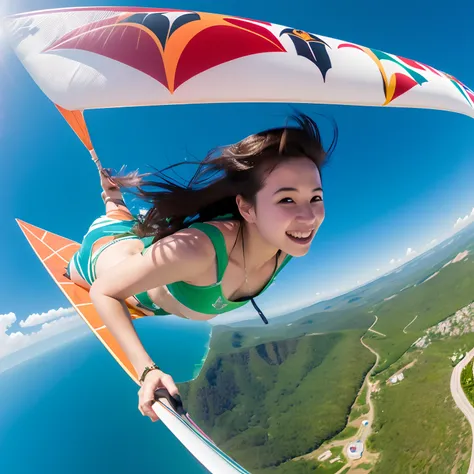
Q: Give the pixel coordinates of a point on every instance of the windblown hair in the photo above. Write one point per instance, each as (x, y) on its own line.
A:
(224, 173)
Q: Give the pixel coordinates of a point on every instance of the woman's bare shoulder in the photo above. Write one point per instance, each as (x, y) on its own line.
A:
(180, 256)
(185, 243)
(229, 230)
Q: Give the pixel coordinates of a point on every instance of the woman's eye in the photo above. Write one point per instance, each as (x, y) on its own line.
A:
(289, 200)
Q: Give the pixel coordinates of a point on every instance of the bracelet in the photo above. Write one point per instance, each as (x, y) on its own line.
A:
(114, 200)
(148, 369)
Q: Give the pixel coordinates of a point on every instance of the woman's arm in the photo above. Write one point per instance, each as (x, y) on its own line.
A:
(179, 257)
(116, 316)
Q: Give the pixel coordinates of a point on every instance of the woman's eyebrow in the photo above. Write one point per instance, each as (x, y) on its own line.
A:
(294, 189)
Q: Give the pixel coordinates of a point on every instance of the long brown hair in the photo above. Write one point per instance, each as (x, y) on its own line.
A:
(224, 173)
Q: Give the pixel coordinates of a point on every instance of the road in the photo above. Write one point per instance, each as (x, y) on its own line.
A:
(364, 431)
(370, 416)
(412, 321)
(373, 330)
(461, 400)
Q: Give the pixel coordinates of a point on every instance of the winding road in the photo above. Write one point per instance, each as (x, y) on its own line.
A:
(364, 431)
(370, 416)
(412, 321)
(373, 330)
(461, 400)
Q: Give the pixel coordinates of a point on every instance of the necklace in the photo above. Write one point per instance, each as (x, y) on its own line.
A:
(245, 265)
(259, 311)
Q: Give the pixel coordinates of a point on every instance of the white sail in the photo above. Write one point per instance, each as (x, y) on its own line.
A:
(96, 57)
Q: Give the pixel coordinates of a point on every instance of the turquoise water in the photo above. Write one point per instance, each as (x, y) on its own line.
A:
(74, 410)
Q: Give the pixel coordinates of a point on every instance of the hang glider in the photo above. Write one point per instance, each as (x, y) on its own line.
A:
(101, 57)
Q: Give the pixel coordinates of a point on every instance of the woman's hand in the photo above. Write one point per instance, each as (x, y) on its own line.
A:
(154, 380)
(106, 181)
(110, 190)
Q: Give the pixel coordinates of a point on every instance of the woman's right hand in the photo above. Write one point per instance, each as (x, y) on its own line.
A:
(106, 181)
(154, 380)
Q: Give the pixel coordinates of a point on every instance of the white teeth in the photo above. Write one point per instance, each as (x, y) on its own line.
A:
(300, 235)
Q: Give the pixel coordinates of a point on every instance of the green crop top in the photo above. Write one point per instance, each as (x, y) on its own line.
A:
(204, 299)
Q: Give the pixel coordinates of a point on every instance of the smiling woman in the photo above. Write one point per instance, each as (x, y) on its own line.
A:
(211, 245)
(259, 202)
(203, 248)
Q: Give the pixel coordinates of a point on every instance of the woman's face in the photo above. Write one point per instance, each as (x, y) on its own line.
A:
(289, 208)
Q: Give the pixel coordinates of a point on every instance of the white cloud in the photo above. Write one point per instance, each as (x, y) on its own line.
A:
(17, 341)
(6, 320)
(464, 221)
(410, 251)
(434, 241)
(392, 261)
(35, 319)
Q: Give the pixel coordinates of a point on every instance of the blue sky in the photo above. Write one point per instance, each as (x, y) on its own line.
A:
(399, 178)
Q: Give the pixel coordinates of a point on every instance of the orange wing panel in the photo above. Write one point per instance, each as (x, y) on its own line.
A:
(55, 241)
(76, 293)
(43, 251)
(68, 251)
(75, 119)
(55, 252)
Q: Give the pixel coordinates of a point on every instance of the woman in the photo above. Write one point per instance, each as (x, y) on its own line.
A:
(207, 247)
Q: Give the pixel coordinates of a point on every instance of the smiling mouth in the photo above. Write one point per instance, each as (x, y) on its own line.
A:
(301, 240)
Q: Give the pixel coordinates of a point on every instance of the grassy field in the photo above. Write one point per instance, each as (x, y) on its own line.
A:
(431, 302)
(358, 411)
(347, 432)
(311, 467)
(467, 382)
(418, 428)
(362, 398)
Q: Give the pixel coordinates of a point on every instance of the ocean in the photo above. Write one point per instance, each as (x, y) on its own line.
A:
(73, 410)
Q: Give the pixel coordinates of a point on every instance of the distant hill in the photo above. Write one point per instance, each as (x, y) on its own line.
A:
(278, 400)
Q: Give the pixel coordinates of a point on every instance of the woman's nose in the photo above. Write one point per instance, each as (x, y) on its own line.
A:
(309, 213)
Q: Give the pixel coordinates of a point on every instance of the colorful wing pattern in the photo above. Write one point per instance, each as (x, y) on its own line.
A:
(95, 57)
(99, 57)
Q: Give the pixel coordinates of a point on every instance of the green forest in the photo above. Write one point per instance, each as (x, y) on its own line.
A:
(270, 403)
